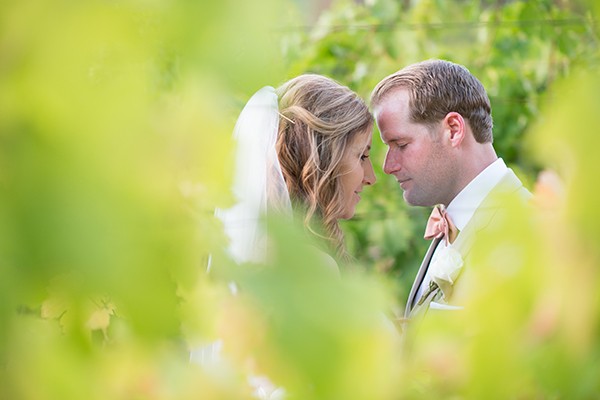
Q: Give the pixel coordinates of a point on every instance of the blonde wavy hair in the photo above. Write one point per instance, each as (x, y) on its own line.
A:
(320, 118)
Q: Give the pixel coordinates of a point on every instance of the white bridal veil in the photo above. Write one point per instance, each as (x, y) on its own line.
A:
(258, 183)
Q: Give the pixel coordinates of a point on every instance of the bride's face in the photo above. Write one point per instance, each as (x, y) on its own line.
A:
(357, 171)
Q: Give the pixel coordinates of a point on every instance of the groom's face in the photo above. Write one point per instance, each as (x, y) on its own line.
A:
(417, 156)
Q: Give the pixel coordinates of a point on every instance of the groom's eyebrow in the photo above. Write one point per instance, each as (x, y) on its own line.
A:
(397, 138)
(400, 138)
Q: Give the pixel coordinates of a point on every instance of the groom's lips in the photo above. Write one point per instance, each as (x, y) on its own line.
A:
(402, 182)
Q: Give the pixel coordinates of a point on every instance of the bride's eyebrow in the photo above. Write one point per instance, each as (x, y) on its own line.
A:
(362, 150)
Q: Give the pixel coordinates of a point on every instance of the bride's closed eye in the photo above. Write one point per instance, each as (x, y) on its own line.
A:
(365, 154)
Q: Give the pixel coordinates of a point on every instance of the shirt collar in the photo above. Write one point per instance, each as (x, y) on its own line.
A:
(463, 206)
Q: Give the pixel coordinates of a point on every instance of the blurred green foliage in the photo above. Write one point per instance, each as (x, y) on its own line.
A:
(115, 126)
(115, 121)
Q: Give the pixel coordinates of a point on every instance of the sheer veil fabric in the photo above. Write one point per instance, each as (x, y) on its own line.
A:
(258, 185)
(258, 182)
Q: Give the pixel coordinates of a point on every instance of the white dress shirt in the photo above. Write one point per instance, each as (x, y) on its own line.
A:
(463, 206)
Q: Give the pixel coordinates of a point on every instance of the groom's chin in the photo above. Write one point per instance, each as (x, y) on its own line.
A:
(415, 201)
(407, 198)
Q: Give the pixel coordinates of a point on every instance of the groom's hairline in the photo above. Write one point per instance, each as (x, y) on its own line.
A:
(387, 88)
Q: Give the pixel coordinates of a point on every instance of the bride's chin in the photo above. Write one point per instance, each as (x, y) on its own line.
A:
(348, 214)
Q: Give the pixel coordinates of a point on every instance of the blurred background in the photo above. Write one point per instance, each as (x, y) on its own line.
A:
(115, 149)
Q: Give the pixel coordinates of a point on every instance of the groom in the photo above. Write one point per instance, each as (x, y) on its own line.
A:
(435, 118)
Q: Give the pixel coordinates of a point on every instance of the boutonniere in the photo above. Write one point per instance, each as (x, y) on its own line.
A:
(445, 269)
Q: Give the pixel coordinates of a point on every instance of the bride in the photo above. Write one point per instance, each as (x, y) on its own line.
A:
(302, 149)
(309, 141)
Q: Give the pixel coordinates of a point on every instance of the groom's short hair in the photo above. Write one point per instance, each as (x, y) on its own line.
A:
(437, 87)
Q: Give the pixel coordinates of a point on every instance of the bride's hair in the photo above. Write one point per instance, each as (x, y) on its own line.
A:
(320, 118)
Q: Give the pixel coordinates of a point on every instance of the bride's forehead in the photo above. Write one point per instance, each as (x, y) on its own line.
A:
(363, 138)
(358, 145)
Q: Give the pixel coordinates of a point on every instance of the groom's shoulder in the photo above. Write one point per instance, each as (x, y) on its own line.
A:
(510, 187)
(509, 197)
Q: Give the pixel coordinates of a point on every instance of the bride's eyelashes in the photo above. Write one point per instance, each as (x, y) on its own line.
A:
(366, 153)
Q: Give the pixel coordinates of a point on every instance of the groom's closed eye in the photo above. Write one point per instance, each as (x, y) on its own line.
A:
(398, 143)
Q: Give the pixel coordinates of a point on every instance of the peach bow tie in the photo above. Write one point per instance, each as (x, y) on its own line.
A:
(440, 225)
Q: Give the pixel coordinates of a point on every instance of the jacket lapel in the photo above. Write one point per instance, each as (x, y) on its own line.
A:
(420, 276)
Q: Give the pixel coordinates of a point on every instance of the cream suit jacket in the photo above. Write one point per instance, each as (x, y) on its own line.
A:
(483, 217)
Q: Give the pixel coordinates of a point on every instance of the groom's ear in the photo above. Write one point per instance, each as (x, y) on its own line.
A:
(454, 125)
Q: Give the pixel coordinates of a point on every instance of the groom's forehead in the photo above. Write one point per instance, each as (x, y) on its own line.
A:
(395, 105)
(394, 130)
(392, 125)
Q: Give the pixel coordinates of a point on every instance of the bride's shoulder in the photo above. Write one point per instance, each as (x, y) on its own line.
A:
(326, 260)
(330, 263)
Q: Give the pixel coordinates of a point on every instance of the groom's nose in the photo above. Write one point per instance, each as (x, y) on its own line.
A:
(391, 163)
